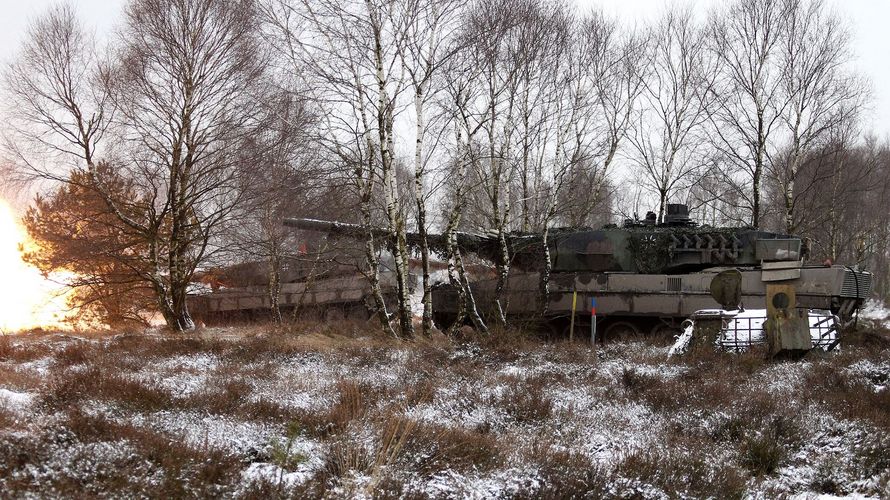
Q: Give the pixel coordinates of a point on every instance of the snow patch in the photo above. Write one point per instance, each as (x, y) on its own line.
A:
(877, 374)
(242, 438)
(18, 401)
(875, 311)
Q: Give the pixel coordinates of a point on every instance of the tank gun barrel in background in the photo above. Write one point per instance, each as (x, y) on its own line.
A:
(341, 228)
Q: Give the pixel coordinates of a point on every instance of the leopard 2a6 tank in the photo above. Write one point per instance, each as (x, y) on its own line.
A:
(647, 277)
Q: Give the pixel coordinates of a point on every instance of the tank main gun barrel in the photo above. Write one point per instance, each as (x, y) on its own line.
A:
(483, 245)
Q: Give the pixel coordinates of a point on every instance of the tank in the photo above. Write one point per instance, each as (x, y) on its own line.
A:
(329, 285)
(648, 277)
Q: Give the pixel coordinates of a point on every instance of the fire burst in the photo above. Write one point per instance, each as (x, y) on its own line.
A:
(28, 300)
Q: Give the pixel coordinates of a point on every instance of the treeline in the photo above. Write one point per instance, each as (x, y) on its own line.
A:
(202, 123)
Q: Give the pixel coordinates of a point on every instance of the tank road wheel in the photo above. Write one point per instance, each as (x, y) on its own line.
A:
(552, 329)
(621, 330)
(334, 313)
(443, 321)
(665, 331)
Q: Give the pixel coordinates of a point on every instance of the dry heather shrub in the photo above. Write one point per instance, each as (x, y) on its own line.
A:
(660, 394)
(565, 473)
(21, 380)
(71, 387)
(420, 392)
(579, 352)
(704, 386)
(160, 466)
(850, 395)
(223, 395)
(365, 356)
(873, 338)
(270, 348)
(764, 450)
(526, 400)
(874, 457)
(7, 418)
(76, 353)
(761, 454)
(686, 471)
(7, 349)
(431, 448)
(731, 429)
(426, 361)
(149, 347)
(27, 350)
(263, 488)
(503, 345)
(231, 395)
(635, 381)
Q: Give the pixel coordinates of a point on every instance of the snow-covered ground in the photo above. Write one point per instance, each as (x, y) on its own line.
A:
(346, 418)
(875, 311)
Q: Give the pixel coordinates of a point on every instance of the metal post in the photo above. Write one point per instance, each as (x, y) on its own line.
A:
(593, 321)
(572, 323)
(593, 329)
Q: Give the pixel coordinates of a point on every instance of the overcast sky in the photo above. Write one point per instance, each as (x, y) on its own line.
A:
(870, 20)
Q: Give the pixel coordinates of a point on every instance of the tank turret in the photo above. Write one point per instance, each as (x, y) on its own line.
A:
(676, 245)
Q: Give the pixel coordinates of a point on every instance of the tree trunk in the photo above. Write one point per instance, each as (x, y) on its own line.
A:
(380, 309)
(456, 271)
(544, 291)
(398, 243)
(662, 203)
(467, 303)
(758, 171)
(182, 319)
(275, 287)
(427, 324)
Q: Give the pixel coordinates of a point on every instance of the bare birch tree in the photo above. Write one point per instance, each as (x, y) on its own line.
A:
(349, 54)
(821, 94)
(426, 27)
(494, 57)
(746, 39)
(677, 101)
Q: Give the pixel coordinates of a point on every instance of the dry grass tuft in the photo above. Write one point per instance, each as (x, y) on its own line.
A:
(433, 448)
(526, 400)
(73, 387)
(682, 473)
(350, 405)
(18, 349)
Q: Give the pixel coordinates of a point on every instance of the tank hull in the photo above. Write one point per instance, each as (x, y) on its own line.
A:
(646, 300)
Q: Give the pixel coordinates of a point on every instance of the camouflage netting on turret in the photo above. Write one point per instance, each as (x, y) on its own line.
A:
(651, 252)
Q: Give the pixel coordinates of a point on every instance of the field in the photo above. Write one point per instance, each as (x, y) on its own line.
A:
(337, 411)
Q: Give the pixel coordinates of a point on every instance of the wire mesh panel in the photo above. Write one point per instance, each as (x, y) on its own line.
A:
(824, 329)
(743, 330)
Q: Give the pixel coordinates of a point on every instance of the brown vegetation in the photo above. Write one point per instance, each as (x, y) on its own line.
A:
(328, 415)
